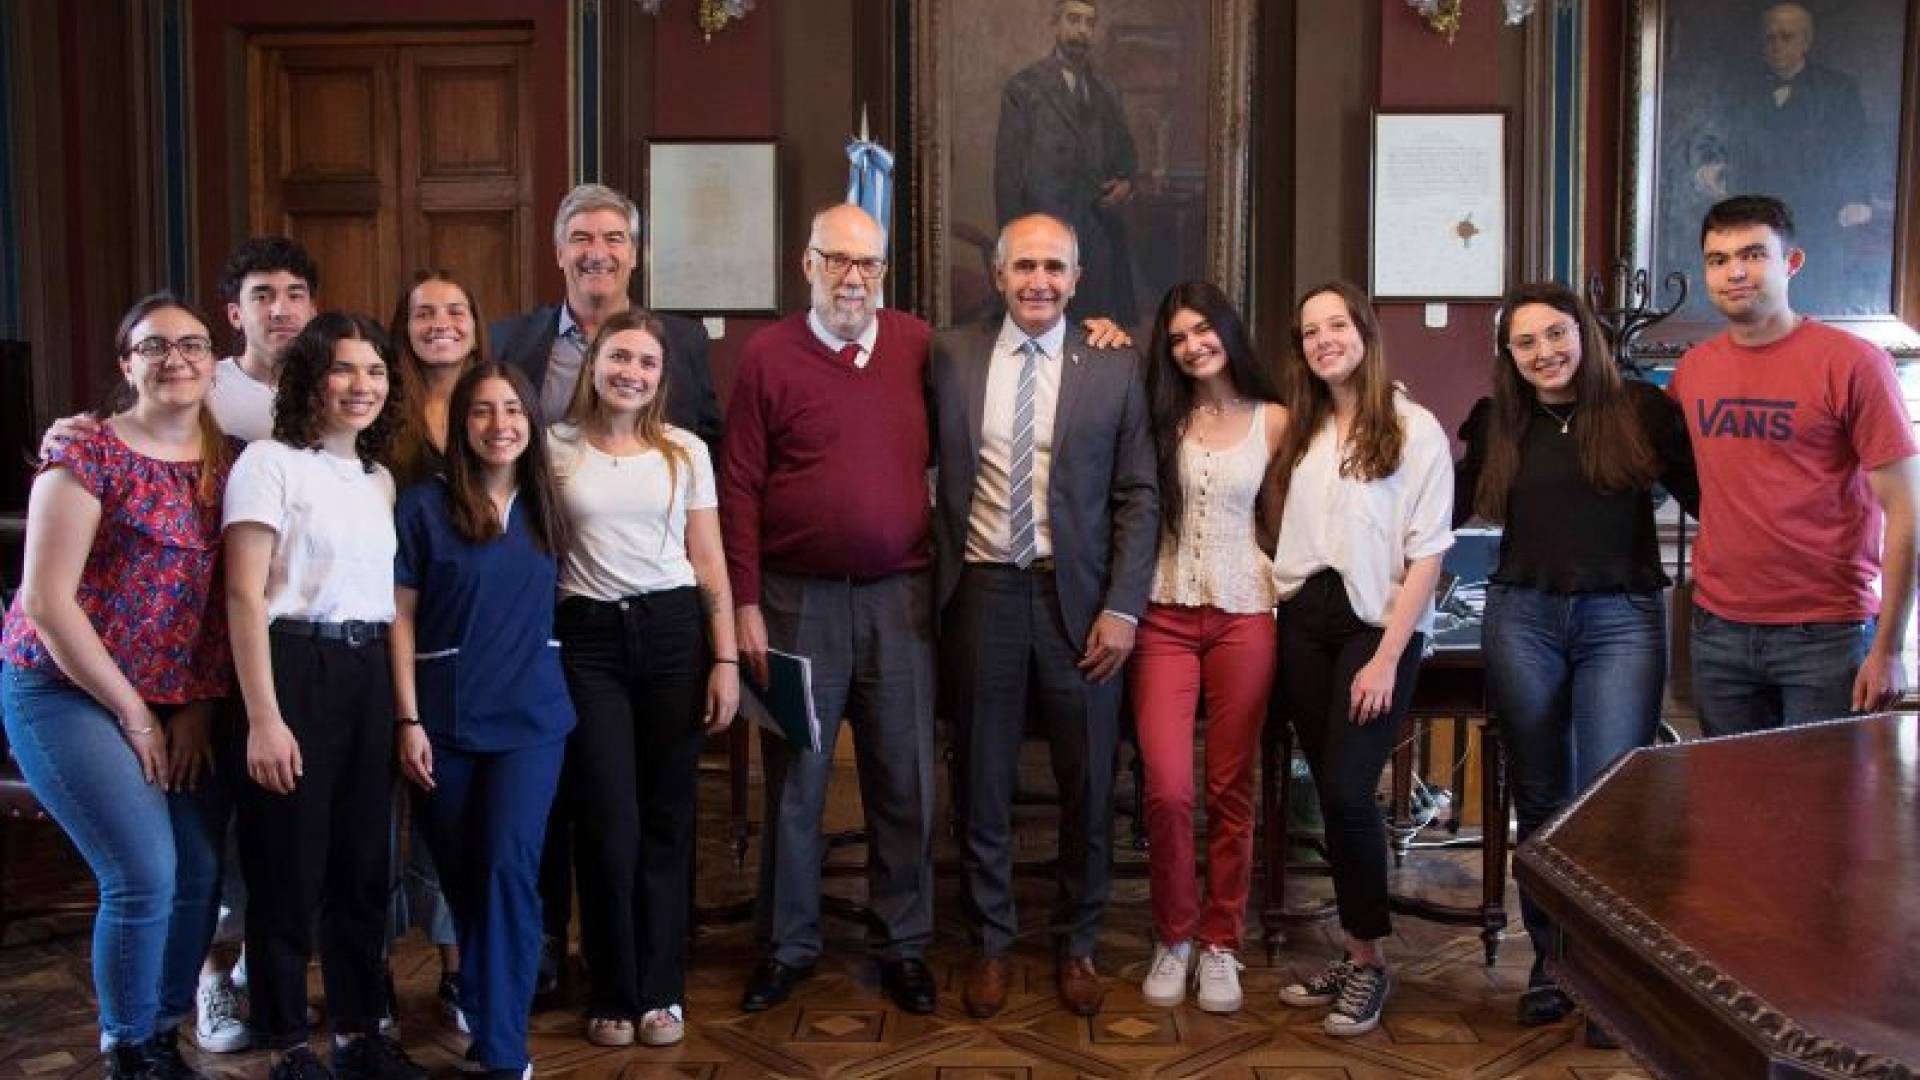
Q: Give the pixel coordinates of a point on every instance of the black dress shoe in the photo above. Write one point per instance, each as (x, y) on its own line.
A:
(771, 984)
(909, 984)
(1542, 1005)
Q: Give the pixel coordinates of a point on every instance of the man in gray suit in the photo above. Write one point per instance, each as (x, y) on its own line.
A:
(1045, 522)
(1063, 148)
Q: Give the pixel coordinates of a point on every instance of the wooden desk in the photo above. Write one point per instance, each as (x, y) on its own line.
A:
(1747, 906)
(1452, 685)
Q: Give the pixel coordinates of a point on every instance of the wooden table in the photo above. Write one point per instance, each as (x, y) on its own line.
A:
(1747, 906)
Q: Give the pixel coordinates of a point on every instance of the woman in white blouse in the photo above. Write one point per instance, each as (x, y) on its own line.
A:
(1368, 477)
(1208, 630)
(646, 632)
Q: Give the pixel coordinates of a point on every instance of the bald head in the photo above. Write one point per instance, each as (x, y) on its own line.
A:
(1786, 38)
(845, 299)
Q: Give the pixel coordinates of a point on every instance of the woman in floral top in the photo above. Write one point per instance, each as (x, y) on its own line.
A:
(113, 658)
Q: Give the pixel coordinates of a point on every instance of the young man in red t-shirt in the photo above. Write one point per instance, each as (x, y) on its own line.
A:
(1809, 486)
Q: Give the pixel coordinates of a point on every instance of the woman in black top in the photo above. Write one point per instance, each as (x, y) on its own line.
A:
(1565, 456)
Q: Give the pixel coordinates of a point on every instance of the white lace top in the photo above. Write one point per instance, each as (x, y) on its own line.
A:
(1216, 561)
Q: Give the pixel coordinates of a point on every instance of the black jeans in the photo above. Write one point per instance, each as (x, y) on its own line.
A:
(1323, 645)
(324, 844)
(637, 671)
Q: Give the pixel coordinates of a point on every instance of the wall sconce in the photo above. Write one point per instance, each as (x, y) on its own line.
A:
(714, 15)
(1444, 15)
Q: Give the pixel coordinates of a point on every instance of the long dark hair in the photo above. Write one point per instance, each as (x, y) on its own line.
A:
(412, 438)
(473, 513)
(216, 453)
(1614, 453)
(1373, 444)
(304, 363)
(1170, 392)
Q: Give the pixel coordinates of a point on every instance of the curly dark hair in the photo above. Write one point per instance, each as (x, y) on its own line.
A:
(264, 255)
(299, 401)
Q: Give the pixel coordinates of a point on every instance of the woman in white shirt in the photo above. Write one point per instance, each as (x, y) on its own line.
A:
(1208, 630)
(310, 549)
(646, 631)
(1368, 477)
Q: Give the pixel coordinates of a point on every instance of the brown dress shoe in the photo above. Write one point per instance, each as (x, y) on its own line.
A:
(1079, 985)
(986, 989)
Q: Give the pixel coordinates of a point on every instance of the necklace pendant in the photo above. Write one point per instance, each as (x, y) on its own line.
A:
(1563, 426)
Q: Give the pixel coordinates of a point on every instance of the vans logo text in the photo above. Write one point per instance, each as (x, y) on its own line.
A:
(1745, 418)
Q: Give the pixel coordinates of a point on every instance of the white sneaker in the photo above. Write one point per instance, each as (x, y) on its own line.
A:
(217, 1027)
(1217, 985)
(1166, 981)
(663, 1027)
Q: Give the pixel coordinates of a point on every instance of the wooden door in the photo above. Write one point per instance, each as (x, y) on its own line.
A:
(385, 152)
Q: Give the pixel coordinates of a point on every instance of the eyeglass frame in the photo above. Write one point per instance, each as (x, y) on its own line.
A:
(1557, 334)
(145, 348)
(828, 258)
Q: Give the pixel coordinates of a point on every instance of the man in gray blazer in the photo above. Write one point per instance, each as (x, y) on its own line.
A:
(1045, 523)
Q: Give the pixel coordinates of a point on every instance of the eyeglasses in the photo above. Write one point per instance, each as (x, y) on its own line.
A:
(837, 263)
(194, 350)
(1555, 336)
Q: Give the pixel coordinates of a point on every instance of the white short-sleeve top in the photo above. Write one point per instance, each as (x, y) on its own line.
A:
(628, 514)
(332, 521)
(1368, 531)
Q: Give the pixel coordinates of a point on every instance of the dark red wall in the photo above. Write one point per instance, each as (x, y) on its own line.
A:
(1446, 369)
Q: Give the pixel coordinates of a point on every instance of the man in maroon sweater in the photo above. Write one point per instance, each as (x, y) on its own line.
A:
(824, 510)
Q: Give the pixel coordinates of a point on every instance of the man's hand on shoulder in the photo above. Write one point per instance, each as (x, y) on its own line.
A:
(68, 429)
(1104, 333)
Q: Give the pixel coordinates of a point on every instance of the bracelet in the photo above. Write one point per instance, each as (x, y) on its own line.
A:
(734, 660)
(409, 721)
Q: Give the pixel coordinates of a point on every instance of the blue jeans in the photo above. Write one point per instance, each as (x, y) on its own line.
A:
(1575, 682)
(156, 863)
(1752, 677)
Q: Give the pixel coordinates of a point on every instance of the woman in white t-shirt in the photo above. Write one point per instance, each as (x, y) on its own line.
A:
(310, 551)
(1369, 500)
(646, 632)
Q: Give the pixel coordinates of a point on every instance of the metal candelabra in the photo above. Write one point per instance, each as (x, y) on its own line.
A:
(1632, 309)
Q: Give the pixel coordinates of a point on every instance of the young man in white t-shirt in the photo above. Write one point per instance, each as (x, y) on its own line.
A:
(268, 286)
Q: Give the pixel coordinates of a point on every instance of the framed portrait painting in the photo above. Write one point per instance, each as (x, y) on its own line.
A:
(1128, 119)
(1812, 102)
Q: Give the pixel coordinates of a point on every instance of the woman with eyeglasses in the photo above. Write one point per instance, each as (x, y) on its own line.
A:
(1369, 493)
(116, 643)
(646, 629)
(1565, 456)
(310, 563)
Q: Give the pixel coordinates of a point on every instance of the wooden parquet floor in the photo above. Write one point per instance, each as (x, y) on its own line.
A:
(1450, 1016)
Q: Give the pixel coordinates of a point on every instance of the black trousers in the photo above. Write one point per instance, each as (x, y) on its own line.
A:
(1323, 645)
(637, 670)
(324, 844)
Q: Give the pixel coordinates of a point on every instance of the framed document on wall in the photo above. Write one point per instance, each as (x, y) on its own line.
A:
(713, 227)
(1439, 206)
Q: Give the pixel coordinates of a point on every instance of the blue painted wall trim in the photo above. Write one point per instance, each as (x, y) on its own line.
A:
(586, 113)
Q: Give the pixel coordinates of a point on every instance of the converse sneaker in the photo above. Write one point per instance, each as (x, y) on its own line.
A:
(663, 1027)
(1362, 997)
(1166, 981)
(449, 995)
(164, 1061)
(1217, 985)
(217, 1026)
(1321, 988)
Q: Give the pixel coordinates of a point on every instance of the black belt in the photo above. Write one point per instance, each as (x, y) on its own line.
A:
(353, 632)
(1037, 566)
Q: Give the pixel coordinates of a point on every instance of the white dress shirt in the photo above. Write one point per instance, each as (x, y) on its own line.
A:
(834, 344)
(988, 529)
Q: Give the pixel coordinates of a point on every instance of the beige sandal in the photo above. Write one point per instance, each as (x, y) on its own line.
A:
(602, 1031)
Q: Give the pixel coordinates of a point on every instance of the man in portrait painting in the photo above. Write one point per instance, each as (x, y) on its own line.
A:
(1063, 149)
(1794, 128)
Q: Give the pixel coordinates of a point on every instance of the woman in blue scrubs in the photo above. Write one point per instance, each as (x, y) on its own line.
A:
(482, 704)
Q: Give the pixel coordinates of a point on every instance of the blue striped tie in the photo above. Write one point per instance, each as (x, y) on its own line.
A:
(1021, 537)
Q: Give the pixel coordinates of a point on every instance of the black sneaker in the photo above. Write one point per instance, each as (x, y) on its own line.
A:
(164, 1061)
(1362, 998)
(374, 1057)
(299, 1063)
(130, 1061)
(1321, 987)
